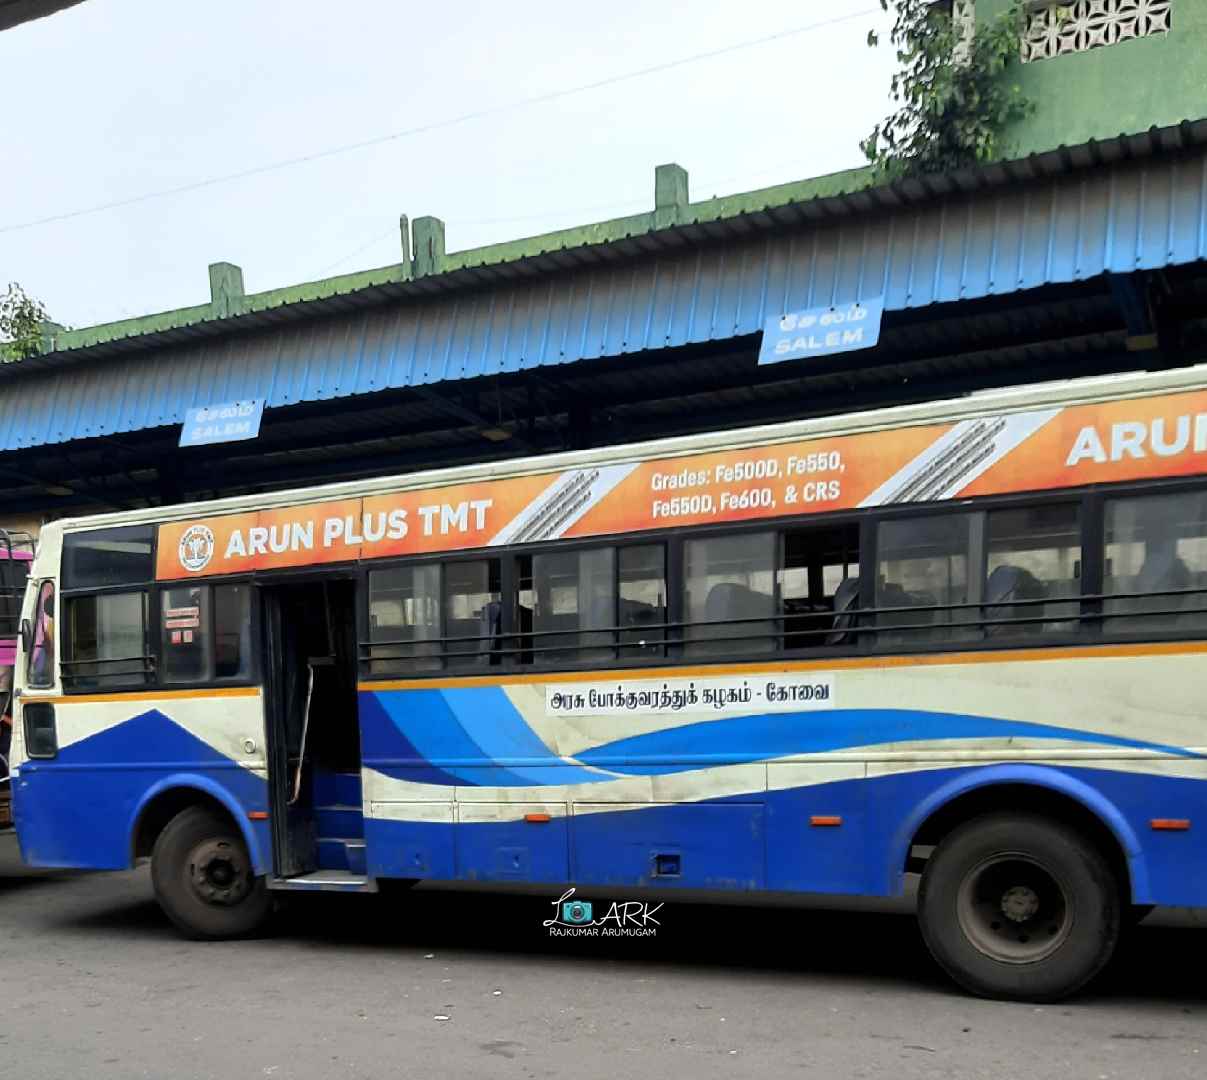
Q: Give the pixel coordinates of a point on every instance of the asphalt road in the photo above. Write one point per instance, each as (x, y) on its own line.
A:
(97, 985)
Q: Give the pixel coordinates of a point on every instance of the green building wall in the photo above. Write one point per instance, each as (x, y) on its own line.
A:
(1118, 89)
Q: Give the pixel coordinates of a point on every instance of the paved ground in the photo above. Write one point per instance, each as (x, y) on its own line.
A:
(98, 986)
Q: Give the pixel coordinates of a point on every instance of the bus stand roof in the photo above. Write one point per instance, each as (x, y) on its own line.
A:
(1077, 261)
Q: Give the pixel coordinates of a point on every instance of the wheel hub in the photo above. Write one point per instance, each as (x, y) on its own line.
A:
(219, 872)
(1014, 909)
(1019, 903)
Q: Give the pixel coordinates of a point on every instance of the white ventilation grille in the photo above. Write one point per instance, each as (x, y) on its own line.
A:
(1082, 25)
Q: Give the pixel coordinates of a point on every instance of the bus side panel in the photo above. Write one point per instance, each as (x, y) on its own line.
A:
(1174, 861)
(688, 845)
(79, 808)
(818, 827)
(470, 783)
(526, 841)
(409, 840)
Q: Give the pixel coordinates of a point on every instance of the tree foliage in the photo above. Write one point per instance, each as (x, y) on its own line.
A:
(21, 319)
(954, 94)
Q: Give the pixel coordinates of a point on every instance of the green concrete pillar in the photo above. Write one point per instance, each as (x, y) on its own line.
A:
(226, 288)
(670, 195)
(428, 234)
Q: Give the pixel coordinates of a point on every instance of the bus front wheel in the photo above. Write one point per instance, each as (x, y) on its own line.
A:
(1019, 907)
(204, 879)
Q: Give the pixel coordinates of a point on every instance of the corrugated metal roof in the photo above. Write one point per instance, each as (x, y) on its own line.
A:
(1119, 217)
(856, 192)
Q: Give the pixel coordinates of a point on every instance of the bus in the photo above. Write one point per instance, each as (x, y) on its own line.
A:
(963, 640)
(16, 553)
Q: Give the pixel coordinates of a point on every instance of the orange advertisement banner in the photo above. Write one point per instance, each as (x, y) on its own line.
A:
(1023, 451)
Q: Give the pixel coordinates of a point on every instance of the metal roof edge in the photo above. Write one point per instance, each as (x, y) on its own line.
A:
(834, 195)
(993, 402)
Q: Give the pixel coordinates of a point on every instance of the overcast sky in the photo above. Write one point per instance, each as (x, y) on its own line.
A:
(115, 99)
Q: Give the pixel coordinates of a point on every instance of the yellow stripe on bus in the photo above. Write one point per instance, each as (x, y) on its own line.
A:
(848, 663)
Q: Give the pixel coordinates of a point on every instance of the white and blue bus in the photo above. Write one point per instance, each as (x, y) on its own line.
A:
(963, 639)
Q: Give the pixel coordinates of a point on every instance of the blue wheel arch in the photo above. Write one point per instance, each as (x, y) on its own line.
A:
(184, 782)
(1043, 777)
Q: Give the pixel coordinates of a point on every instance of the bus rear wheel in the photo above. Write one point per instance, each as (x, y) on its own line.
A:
(1019, 907)
(204, 879)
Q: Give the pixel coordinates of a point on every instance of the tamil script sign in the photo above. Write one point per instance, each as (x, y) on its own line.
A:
(822, 331)
(770, 692)
(232, 421)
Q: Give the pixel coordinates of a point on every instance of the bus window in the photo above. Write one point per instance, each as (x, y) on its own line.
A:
(819, 586)
(40, 663)
(730, 594)
(106, 641)
(404, 619)
(103, 557)
(641, 577)
(13, 575)
(1033, 562)
(922, 565)
(232, 632)
(205, 633)
(568, 604)
(1156, 563)
(185, 625)
(472, 612)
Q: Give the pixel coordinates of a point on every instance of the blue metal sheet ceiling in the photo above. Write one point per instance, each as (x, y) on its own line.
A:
(1067, 228)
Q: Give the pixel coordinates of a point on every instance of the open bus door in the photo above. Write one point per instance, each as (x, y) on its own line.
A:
(309, 667)
(16, 555)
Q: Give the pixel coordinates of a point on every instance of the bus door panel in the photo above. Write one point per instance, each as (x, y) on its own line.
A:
(313, 727)
(293, 839)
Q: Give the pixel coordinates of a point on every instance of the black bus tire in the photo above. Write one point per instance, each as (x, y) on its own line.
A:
(1019, 907)
(204, 879)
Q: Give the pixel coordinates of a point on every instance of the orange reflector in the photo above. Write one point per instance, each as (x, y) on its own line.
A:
(1170, 824)
(258, 815)
(537, 818)
(828, 820)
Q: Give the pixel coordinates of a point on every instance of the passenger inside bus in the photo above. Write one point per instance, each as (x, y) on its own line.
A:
(1156, 545)
(41, 657)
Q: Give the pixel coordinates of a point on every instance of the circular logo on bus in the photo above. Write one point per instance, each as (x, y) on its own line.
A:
(196, 548)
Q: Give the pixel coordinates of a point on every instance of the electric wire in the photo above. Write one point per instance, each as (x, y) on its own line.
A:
(435, 125)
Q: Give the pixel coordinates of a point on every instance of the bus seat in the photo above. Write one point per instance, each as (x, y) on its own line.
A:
(726, 603)
(892, 595)
(1161, 571)
(846, 602)
(1006, 585)
(638, 620)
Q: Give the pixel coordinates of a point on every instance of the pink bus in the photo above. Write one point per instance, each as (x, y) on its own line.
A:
(16, 554)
